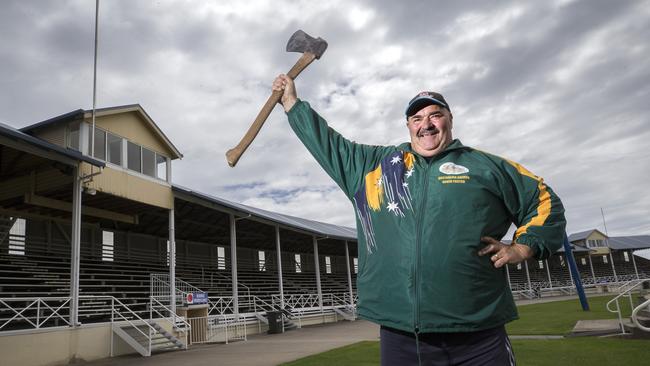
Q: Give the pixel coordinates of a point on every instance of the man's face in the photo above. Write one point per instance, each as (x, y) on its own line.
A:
(430, 130)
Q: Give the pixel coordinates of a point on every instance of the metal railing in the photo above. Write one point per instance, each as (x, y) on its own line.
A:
(217, 328)
(159, 287)
(624, 291)
(635, 315)
(35, 312)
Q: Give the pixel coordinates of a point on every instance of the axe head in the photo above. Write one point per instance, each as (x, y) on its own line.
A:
(302, 42)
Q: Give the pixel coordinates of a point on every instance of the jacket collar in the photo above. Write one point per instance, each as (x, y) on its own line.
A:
(454, 145)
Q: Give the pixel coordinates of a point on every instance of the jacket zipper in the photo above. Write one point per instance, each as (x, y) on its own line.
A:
(418, 241)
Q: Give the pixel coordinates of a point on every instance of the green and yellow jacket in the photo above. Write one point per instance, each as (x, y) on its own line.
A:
(419, 226)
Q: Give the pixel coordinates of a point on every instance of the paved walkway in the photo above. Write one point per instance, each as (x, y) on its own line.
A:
(260, 349)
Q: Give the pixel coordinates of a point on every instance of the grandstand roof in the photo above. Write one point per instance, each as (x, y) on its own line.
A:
(629, 242)
(311, 226)
(582, 235)
(80, 114)
(49, 149)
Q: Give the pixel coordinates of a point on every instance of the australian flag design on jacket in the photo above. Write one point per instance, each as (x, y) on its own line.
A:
(384, 188)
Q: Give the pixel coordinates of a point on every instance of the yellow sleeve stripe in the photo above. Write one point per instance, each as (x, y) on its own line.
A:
(543, 210)
(544, 206)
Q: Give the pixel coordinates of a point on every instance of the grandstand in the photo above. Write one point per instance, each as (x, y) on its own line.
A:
(86, 241)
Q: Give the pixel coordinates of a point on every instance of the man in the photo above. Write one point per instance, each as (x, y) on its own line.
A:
(430, 271)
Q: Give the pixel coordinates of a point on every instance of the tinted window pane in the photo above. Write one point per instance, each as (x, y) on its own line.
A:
(148, 162)
(161, 166)
(100, 144)
(133, 157)
(73, 139)
(114, 149)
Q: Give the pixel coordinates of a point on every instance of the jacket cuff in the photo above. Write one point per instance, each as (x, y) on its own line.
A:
(536, 244)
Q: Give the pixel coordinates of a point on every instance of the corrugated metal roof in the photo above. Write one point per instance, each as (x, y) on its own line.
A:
(10, 132)
(629, 242)
(315, 227)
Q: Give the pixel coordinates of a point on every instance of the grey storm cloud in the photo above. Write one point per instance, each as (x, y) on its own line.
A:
(560, 86)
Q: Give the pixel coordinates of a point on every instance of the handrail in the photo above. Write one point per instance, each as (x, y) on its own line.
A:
(114, 311)
(627, 289)
(175, 317)
(634, 316)
(174, 323)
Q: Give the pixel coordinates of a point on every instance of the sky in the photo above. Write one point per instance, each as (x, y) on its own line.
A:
(560, 86)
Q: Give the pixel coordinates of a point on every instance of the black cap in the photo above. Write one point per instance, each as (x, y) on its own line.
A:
(424, 99)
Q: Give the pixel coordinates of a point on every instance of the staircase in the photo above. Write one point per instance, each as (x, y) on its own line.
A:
(147, 338)
(347, 312)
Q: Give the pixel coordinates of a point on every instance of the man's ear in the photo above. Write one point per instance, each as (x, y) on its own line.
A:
(451, 120)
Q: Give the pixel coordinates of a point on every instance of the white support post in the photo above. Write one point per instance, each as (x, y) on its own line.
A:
(636, 271)
(548, 273)
(172, 262)
(279, 253)
(317, 270)
(347, 265)
(591, 266)
(233, 266)
(508, 276)
(530, 285)
(611, 258)
(75, 247)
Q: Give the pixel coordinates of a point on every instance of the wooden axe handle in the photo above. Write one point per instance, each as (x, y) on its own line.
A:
(233, 155)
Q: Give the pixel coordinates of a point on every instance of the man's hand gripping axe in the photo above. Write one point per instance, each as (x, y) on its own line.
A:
(311, 49)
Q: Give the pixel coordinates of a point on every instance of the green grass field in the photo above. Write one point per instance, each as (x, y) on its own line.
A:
(553, 318)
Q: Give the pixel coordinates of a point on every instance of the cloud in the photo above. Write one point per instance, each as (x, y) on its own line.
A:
(561, 87)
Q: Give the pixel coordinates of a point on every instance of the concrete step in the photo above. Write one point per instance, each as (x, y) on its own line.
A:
(598, 327)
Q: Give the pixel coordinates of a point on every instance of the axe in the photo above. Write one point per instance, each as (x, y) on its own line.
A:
(311, 49)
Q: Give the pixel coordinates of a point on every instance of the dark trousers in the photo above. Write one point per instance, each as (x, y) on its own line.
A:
(490, 347)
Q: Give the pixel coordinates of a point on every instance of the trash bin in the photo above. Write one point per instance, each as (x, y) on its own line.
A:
(275, 322)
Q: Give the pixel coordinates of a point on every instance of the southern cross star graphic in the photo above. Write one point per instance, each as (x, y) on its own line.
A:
(409, 173)
(396, 160)
(392, 207)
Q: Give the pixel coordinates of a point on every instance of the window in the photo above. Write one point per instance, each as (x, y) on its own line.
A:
(148, 162)
(583, 261)
(73, 136)
(540, 264)
(605, 259)
(99, 150)
(626, 256)
(595, 243)
(221, 258)
(298, 266)
(134, 157)
(107, 246)
(17, 237)
(355, 261)
(161, 167)
(261, 261)
(114, 149)
(328, 264)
